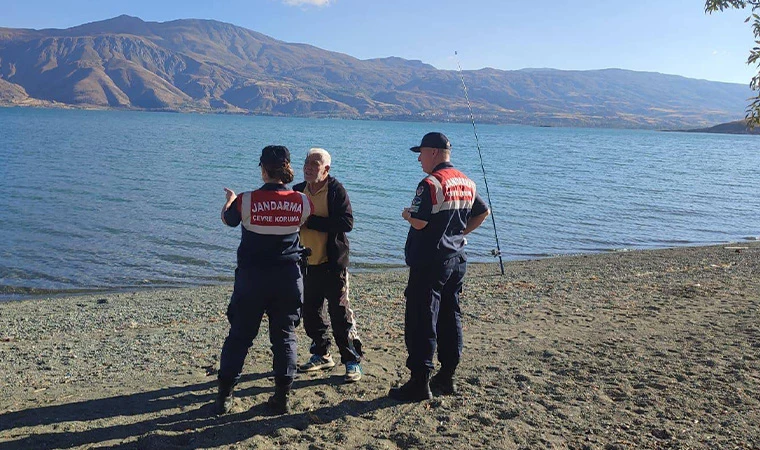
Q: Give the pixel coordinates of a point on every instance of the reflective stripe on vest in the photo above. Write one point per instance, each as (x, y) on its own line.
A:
(274, 212)
(450, 189)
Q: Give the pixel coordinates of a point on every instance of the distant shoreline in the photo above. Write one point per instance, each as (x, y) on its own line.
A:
(736, 127)
(402, 118)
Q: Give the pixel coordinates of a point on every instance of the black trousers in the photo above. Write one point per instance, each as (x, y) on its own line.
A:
(278, 292)
(325, 283)
(433, 318)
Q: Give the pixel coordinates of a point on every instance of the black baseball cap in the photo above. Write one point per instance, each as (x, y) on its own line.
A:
(274, 155)
(433, 140)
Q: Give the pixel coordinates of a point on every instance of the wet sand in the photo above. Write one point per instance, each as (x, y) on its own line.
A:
(629, 350)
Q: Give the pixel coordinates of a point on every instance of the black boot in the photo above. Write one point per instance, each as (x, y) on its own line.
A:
(278, 403)
(443, 382)
(416, 389)
(224, 397)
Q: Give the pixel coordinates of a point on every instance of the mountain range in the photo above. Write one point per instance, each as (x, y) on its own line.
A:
(210, 66)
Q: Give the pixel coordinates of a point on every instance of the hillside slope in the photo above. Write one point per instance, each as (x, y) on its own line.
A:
(204, 65)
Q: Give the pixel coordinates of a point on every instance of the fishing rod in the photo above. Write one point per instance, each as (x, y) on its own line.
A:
(496, 252)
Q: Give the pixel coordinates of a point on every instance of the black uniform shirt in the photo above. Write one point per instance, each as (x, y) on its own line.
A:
(446, 199)
(272, 242)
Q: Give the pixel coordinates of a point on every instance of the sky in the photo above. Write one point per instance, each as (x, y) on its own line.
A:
(667, 36)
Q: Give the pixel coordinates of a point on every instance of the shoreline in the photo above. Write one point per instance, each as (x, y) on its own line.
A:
(14, 293)
(618, 350)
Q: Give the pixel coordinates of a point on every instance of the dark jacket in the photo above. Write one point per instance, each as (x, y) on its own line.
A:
(340, 221)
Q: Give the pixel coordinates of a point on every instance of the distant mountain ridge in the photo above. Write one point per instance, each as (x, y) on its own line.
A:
(205, 65)
(736, 127)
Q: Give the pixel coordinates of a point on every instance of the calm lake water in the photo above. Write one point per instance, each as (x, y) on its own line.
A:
(110, 200)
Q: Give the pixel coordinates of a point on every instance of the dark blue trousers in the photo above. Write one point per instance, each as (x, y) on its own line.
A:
(433, 318)
(278, 292)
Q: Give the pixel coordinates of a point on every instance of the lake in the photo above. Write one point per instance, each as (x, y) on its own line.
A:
(118, 199)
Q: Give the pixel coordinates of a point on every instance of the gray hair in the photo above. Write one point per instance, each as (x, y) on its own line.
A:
(324, 156)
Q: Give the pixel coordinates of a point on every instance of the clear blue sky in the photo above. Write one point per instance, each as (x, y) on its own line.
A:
(667, 36)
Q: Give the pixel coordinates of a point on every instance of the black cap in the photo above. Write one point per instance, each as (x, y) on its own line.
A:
(274, 155)
(433, 140)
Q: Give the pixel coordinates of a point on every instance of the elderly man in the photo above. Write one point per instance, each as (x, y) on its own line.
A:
(327, 275)
(445, 208)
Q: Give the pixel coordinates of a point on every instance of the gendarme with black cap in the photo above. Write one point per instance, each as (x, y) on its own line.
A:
(433, 140)
(274, 155)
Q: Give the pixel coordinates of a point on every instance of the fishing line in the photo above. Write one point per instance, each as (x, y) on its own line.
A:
(496, 252)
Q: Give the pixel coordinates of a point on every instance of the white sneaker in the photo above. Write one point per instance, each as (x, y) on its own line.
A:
(317, 362)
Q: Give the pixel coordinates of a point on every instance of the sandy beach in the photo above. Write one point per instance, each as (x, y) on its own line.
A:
(625, 350)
